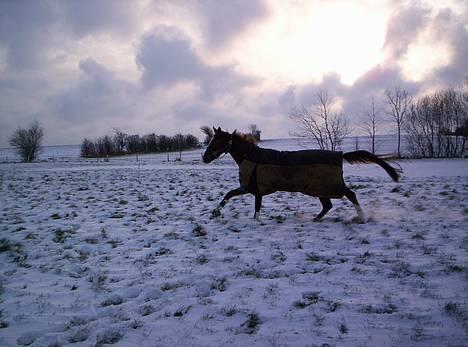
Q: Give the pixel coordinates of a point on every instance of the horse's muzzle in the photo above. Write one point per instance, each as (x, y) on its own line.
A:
(206, 158)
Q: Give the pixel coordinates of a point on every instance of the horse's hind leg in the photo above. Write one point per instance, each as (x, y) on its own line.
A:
(326, 206)
(258, 205)
(352, 197)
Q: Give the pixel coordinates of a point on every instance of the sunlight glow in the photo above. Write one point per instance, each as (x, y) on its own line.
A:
(424, 57)
(301, 44)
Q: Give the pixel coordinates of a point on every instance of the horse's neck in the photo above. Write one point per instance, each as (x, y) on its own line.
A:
(239, 149)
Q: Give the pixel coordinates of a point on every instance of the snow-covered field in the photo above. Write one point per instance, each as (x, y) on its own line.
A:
(125, 253)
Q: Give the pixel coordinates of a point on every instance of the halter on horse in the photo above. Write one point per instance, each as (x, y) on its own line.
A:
(312, 172)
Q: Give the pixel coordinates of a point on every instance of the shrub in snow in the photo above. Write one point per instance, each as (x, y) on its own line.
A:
(220, 284)
(114, 299)
(153, 294)
(229, 311)
(146, 310)
(79, 335)
(109, 336)
(28, 338)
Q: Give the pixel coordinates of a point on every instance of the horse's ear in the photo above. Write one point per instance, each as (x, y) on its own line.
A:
(215, 130)
(234, 132)
(219, 129)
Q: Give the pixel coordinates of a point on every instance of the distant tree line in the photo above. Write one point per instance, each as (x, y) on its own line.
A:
(437, 124)
(120, 144)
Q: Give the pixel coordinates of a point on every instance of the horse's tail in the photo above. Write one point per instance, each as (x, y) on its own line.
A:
(365, 157)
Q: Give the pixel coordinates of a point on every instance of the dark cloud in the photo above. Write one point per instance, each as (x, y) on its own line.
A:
(403, 28)
(166, 59)
(330, 83)
(86, 17)
(30, 29)
(97, 94)
(287, 98)
(355, 98)
(194, 113)
(452, 29)
(221, 24)
(25, 28)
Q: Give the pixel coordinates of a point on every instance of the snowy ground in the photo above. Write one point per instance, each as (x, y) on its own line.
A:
(125, 253)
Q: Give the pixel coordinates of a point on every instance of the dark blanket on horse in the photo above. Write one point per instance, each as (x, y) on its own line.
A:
(271, 156)
(312, 172)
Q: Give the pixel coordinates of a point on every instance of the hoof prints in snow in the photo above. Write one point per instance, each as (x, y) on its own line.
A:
(96, 257)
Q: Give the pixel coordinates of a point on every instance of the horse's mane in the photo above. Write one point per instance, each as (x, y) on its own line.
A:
(247, 137)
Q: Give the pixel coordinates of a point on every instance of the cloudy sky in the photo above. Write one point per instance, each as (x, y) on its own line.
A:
(82, 68)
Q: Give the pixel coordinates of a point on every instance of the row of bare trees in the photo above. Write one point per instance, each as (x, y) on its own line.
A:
(433, 126)
(437, 124)
(121, 144)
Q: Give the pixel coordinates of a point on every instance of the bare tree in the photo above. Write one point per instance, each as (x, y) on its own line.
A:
(398, 101)
(28, 141)
(371, 123)
(209, 133)
(120, 139)
(319, 123)
(88, 149)
(255, 132)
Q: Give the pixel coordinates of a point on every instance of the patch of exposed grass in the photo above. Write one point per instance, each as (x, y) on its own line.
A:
(182, 311)
(386, 309)
(201, 259)
(229, 310)
(8, 246)
(456, 310)
(308, 298)
(220, 284)
(79, 335)
(343, 328)
(61, 235)
(146, 310)
(454, 268)
(199, 231)
(251, 325)
(332, 306)
(170, 286)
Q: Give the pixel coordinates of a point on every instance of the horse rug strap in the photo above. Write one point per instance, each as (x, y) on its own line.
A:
(312, 172)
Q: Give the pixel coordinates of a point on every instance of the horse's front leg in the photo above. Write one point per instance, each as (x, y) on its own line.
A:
(235, 192)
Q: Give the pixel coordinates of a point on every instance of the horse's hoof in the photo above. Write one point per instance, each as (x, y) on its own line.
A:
(359, 220)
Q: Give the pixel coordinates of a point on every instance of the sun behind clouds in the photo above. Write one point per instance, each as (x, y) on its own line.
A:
(300, 44)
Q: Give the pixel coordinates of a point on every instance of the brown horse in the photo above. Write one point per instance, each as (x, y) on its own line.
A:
(312, 172)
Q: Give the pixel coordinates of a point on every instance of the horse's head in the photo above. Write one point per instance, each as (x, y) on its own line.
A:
(219, 144)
